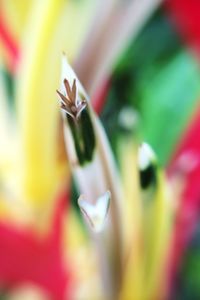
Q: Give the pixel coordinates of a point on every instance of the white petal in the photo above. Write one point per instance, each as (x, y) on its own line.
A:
(95, 213)
(103, 203)
(68, 112)
(145, 156)
(82, 108)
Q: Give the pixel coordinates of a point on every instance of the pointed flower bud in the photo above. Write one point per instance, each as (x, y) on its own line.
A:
(77, 113)
(72, 102)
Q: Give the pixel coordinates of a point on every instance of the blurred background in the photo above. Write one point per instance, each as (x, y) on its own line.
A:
(138, 60)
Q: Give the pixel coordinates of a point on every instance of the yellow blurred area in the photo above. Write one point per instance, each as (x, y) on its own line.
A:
(147, 231)
(16, 13)
(43, 30)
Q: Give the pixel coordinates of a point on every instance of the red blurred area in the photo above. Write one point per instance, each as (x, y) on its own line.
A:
(99, 99)
(27, 258)
(186, 161)
(9, 42)
(186, 16)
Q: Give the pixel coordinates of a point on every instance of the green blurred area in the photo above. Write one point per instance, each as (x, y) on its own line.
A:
(160, 79)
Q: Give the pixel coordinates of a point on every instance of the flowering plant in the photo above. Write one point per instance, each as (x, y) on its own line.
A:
(99, 188)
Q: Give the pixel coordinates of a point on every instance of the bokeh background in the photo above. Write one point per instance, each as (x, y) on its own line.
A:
(139, 62)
